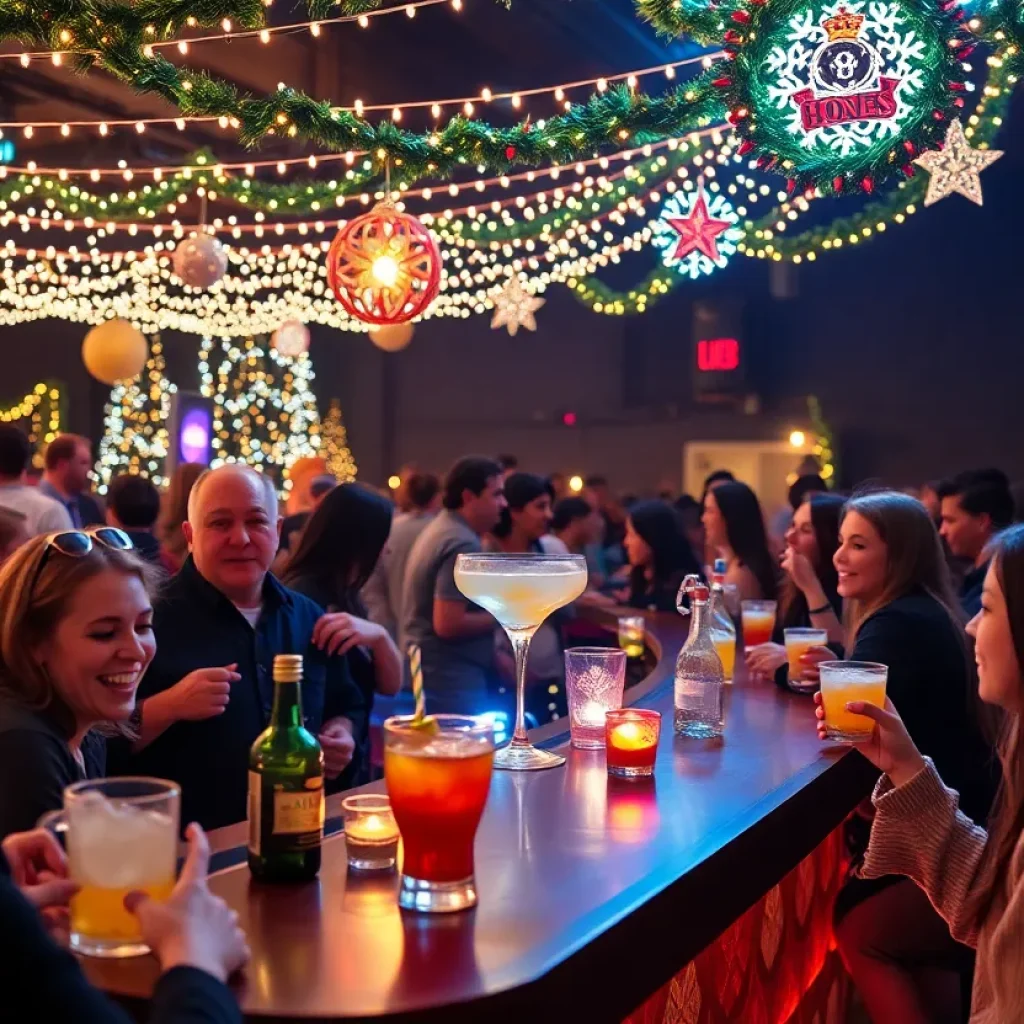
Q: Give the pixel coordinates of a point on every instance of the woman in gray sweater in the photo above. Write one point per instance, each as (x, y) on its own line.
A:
(974, 878)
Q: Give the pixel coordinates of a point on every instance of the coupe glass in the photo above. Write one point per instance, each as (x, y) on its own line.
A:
(521, 591)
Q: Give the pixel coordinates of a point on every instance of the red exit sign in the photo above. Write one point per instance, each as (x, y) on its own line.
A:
(718, 354)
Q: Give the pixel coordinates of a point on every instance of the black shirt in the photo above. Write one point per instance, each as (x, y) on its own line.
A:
(196, 626)
(970, 590)
(42, 982)
(933, 688)
(36, 765)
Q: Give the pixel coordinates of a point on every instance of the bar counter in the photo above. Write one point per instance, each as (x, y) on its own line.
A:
(599, 899)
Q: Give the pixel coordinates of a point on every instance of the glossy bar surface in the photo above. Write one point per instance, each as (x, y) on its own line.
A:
(592, 891)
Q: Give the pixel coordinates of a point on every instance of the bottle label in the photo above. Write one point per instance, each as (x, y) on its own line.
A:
(255, 809)
(299, 813)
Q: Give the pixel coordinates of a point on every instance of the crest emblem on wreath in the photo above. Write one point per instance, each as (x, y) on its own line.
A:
(841, 69)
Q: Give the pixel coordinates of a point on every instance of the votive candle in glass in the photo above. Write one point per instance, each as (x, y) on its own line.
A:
(631, 635)
(594, 682)
(371, 835)
(631, 742)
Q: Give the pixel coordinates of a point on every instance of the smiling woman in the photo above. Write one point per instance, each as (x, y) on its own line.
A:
(75, 639)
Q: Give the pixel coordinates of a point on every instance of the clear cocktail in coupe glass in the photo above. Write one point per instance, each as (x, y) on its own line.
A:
(521, 591)
(121, 835)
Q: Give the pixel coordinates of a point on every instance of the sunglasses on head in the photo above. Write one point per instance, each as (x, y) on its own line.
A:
(79, 543)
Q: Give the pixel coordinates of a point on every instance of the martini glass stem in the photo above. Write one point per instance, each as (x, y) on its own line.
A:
(521, 649)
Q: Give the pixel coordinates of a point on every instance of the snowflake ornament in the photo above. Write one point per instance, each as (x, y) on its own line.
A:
(514, 307)
(696, 232)
(838, 92)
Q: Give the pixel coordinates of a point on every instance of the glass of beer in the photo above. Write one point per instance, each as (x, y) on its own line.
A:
(758, 622)
(798, 642)
(121, 836)
(845, 681)
(438, 779)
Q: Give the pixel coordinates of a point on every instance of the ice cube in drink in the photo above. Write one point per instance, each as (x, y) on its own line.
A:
(115, 848)
(845, 681)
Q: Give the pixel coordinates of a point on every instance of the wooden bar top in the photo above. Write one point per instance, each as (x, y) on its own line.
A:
(588, 886)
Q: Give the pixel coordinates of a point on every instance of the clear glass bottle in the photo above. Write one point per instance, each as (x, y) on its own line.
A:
(699, 711)
(723, 629)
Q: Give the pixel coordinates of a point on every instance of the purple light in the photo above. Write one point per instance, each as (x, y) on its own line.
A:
(194, 436)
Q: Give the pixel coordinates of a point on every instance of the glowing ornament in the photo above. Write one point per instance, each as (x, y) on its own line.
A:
(392, 337)
(956, 167)
(840, 95)
(696, 233)
(514, 307)
(114, 351)
(291, 339)
(200, 261)
(384, 267)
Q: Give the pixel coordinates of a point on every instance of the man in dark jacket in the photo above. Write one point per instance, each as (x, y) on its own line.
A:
(220, 622)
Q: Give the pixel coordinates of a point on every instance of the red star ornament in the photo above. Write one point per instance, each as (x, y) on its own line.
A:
(698, 231)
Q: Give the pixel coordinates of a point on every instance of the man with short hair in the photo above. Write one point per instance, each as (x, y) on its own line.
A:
(383, 591)
(577, 524)
(975, 506)
(456, 637)
(133, 505)
(68, 463)
(209, 691)
(42, 514)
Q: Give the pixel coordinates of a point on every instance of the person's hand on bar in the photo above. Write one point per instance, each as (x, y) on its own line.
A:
(193, 928)
(765, 659)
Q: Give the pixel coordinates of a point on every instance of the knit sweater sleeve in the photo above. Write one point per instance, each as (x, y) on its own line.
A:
(920, 832)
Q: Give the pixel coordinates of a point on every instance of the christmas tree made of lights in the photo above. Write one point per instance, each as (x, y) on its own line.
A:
(334, 445)
(265, 411)
(135, 436)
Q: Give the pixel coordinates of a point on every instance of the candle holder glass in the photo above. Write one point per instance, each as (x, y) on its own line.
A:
(631, 635)
(594, 681)
(632, 742)
(371, 834)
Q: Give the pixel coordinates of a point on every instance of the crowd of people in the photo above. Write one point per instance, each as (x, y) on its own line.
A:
(137, 637)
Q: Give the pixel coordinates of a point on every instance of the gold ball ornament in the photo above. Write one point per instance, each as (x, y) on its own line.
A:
(392, 338)
(114, 351)
(291, 339)
(200, 261)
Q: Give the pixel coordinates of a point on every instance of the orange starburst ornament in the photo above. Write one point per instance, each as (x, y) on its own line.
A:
(384, 267)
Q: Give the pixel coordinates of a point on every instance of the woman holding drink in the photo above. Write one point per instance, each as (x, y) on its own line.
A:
(809, 599)
(902, 614)
(75, 639)
(975, 878)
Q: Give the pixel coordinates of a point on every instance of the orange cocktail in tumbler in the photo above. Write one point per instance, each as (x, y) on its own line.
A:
(846, 681)
(438, 778)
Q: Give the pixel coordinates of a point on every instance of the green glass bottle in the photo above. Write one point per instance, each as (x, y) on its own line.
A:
(286, 787)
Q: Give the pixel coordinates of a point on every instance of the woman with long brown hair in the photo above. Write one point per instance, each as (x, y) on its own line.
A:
(810, 592)
(75, 638)
(174, 512)
(901, 611)
(974, 878)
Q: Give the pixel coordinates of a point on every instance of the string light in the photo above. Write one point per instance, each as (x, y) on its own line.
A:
(135, 436)
(41, 407)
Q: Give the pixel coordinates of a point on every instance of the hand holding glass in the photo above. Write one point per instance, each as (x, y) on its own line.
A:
(121, 837)
(521, 591)
(798, 642)
(846, 681)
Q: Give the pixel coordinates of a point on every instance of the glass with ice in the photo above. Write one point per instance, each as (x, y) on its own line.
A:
(121, 836)
(846, 681)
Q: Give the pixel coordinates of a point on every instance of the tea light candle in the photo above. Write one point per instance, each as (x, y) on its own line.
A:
(371, 834)
(631, 741)
(592, 714)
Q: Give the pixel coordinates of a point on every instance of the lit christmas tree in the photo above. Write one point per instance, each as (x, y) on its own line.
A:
(135, 425)
(334, 445)
(265, 411)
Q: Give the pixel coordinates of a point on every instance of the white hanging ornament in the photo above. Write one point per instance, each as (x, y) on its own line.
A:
(956, 167)
(514, 307)
(200, 261)
(291, 339)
